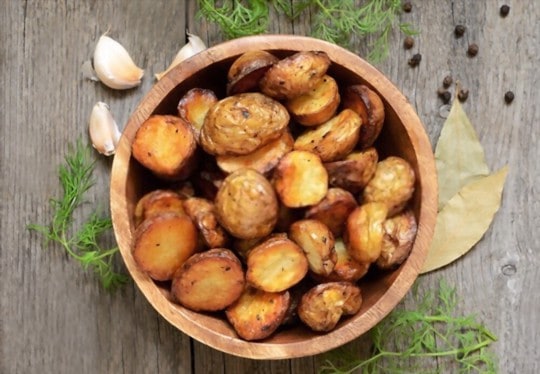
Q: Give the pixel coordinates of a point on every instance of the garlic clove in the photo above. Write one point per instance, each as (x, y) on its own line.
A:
(114, 66)
(192, 47)
(104, 132)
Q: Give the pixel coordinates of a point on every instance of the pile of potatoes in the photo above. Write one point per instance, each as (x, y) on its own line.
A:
(275, 202)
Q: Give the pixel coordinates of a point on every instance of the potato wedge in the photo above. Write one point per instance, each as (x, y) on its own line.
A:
(398, 240)
(209, 281)
(364, 232)
(347, 269)
(240, 124)
(334, 139)
(247, 70)
(333, 210)
(163, 243)
(295, 75)
(300, 179)
(317, 105)
(322, 306)
(257, 314)
(355, 171)
(369, 106)
(194, 106)
(263, 160)
(276, 265)
(165, 145)
(157, 202)
(202, 212)
(246, 205)
(317, 242)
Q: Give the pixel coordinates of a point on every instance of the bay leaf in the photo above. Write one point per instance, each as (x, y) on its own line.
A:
(465, 219)
(459, 156)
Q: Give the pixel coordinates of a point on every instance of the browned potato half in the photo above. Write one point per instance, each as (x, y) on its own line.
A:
(355, 171)
(334, 139)
(247, 70)
(392, 184)
(163, 243)
(295, 75)
(333, 210)
(257, 314)
(300, 179)
(166, 145)
(398, 239)
(369, 106)
(262, 160)
(316, 106)
(346, 269)
(364, 232)
(246, 205)
(322, 306)
(276, 265)
(317, 242)
(194, 106)
(157, 202)
(239, 124)
(202, 212)
(209, 281)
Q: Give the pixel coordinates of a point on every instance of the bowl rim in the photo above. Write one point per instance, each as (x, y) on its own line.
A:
(181, 318)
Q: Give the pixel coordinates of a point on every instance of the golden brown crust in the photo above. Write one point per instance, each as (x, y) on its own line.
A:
(355, 171)
(347, 269)
(333, 210)
(247, 70)
(203, 213)
(364, 232)
(317, 242)
(156, 202)
(194, 106)
(398, 239)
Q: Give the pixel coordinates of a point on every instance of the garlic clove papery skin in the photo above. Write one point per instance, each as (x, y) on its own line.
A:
(191, 48)
(103, 129)
(114, 66)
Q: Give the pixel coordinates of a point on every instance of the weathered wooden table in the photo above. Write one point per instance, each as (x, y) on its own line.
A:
(56, 318)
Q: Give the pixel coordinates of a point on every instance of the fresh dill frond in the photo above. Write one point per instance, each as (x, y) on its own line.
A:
(431, 332)
(76, 178)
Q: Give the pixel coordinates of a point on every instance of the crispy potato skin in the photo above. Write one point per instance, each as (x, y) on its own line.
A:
(355, 171)
(364, 232)
(240, 124)
(246, 205)
(295, 75)
(165, 145)
(333, 210)
(209, 281)
(157, 202)
(398, 239)
(202, 212)
(247, 70)
(194, 106)
(347, 269)
(317, 242)
(322, 306)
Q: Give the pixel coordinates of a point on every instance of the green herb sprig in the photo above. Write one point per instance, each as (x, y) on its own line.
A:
(407, 340)
(76, 179)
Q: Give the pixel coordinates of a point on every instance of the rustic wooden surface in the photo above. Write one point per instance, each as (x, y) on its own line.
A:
(55, 317)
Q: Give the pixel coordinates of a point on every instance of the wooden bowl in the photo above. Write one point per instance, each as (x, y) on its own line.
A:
(403, 135)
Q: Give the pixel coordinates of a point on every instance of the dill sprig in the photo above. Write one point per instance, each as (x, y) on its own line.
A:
(76, 178)
(408, 340)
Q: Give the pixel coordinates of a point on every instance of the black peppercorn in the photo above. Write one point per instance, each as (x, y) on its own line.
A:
(463, 94)
(444, 95)
(415, 60)
(408, 43)
(505, 9)
(509, 97)
(459, 31)
(447, 81)
(472, 50)
(407, 7)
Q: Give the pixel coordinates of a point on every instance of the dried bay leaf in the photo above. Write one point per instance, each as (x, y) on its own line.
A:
(464, 219)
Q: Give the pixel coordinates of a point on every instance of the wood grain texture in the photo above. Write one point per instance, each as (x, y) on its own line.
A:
(56, 318)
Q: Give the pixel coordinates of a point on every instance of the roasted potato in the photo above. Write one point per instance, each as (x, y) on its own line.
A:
(369, 106)
(157, 202)
(166, 145)
(257, 314)
(392, 184)
(162, 244)
(300, 179)
(247, 70)
(246, 205)
(203, 213)
(334, 139)
(295, 75)
(333, 210)
(355, 171)
(240, 124)
(316, 106)
(276, 265)
(364, 232)
(398, 239)
(346, 269)
(209, 281)
(322, 306)
(194, 106)
(317, 242)
(262, 160)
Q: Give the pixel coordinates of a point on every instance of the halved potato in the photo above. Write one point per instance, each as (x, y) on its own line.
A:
(334, 139)
(398, 239)
(157, 202)
(209, 281)
(163, 243)
(203, 213)
(333, 210)
(300, 179)
(247, 70)
(364, 232)
(194, 106)
(355, 171)
(347, 268)
(317, 105)
(257, 314)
